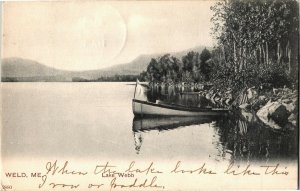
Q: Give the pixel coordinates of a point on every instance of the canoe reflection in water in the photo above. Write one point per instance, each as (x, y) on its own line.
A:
(142, 125)
(234, 138)
(167, 123)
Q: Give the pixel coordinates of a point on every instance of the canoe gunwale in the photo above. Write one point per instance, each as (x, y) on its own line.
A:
(180, 108)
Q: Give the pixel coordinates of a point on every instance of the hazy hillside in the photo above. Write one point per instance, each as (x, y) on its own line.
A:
(141, 62)
(134, 67)
(29, 70)
(18, 67)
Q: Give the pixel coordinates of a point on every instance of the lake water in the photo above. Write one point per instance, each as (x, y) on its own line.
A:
(82, 120)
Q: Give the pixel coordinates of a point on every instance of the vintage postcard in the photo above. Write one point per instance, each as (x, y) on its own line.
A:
(149, 95)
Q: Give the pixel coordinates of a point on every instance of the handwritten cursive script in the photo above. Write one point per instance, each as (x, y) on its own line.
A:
(147, 170)
(274, 170)
(112, 178)
(238, 170)
(54, 168)
(200, 170)
(144, 184)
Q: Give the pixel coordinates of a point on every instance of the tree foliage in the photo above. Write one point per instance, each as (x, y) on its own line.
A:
(257, 44)
(193, 67)
(255, 36)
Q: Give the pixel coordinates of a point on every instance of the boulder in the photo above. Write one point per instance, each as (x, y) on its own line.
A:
(252, 94)
(257, 104)
(297, 107)
(291, 96)
(279, 113)
(262, 98)
(264, 116)
(264, 111)
(286, 101)
(249, 93)
(290, 107)
(275, 111)
(293, 119)
(248, 116)
(228, 101)
(208, 95)
(245, 106)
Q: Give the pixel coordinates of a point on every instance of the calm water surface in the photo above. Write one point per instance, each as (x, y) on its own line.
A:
(96, 120)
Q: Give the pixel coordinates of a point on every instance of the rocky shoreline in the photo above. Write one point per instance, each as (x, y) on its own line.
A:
(275, 107)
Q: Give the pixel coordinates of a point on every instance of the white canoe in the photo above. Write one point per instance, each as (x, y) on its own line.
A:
(142, 108)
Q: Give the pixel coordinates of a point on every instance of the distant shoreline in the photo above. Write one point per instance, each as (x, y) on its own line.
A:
(115, 78)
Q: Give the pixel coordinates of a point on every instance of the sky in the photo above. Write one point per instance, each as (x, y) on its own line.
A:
(86, 35)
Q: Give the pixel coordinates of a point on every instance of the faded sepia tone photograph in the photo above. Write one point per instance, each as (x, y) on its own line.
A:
(149, 95)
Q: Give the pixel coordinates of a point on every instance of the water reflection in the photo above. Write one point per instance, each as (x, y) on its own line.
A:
(178, 94)
(141, 125)
(250, 140)
(238, 137)
(167, 123)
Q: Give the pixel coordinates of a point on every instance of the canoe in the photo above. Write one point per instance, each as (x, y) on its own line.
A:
(145, 108)
(142, 107)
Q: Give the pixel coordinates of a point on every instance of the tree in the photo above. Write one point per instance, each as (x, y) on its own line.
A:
(205, 55)
(189, 61)
(153, 70)
(205, 64)
(165, 68)
(257, 34)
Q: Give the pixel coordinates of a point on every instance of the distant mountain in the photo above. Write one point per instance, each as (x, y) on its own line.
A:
(136, 66)
(19, 69)
(140, 63)
(29, 70)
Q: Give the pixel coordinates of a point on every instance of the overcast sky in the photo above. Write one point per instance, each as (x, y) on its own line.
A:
(91, 35)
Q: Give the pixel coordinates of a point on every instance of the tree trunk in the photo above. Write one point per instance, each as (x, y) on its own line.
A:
(234, 58)
(267, 54)
(244, 57)
(223, 52)
(289, 61)
(255, 56)
(287, 48)
(260, 55)
(264, 55)
(279, 52)
(240, 59)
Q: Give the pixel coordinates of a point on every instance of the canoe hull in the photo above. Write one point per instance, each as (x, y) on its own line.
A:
(141, 108)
